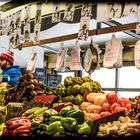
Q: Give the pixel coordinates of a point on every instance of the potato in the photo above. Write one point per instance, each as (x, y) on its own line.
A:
(137, 131)
(137, 126)
(122, 133)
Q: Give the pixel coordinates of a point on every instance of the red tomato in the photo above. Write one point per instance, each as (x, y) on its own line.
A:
(118, 109)
(103, 114)
(123, 101)
(106, 106)
(128, 106)
(113, 106)
(112, 97)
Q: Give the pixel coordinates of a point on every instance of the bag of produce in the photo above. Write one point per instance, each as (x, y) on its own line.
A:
(75, 63)
(113, 56)
(61, 55)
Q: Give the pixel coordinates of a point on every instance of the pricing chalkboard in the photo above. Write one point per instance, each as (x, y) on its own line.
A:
(53, 80)
(40, 72)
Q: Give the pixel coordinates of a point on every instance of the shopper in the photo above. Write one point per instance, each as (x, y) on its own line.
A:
(10, 73)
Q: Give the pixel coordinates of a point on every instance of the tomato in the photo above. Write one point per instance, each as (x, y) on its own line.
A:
(103, 114)
(106, 106)
(123, 101)
(112, 97)
(128, 106)
(113, 106)
(118, 109)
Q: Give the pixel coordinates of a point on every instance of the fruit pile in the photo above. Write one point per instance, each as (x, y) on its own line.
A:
(135, 112)
(124, 127)
(27, 87)
(74, 88)
(67, 120)
(100, 105)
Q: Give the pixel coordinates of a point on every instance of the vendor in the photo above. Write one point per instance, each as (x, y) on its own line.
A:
(10, 73)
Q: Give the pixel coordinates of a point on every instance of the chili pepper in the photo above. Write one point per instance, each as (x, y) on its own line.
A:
(24, 135)
(23, 127)
(5, 132)
(23, 131)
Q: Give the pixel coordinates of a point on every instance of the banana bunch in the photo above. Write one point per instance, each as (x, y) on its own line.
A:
(96, 86)
(60, 90)
(77, 80)
(34, 112)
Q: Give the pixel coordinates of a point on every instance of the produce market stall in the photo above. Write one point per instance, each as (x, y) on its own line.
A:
(79, 39)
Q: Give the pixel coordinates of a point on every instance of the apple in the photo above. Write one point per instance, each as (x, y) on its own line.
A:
(106, 106)
(112, 97)
(105, 113)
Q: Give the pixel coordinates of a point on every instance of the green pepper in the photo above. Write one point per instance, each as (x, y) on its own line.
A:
(54, 128)
(84, 129)
(54, 118)
(37, 123)
(77, 114)
(69, 124)
(48, 113)
(43, 127)
(65, 110)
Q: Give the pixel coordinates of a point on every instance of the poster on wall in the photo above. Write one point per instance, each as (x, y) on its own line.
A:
(69, 12)
(84, 28)
(86, 10)
(31, 64)
(37, 26)
(130, 9)
(5, 30)
(11, 32)
(114, 11)
(18, 29)
(56, 13)
(27, 23)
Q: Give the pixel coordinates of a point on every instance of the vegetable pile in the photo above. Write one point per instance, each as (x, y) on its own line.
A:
(74, 88)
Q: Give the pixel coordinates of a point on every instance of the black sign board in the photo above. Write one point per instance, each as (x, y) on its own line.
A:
(40, 72)
(53, 80)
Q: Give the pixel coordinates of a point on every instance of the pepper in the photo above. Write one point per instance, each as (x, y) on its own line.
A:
(54, 118)
(84, 128)
(54, 128)
(50, 112)
(37, 123)
(70, 124)
(43, 127)
(77, 114)
(65, 110)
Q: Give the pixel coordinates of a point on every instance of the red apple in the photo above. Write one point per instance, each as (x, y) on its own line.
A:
(105, 113)
(113, 106)
(112, 97)
(106, 106)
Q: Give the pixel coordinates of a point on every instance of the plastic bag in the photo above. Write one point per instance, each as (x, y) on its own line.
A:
(113, 53)
(137, 54)
(75, 63)
(61, 55)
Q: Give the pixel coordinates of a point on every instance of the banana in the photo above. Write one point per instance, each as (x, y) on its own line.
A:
(30, 111)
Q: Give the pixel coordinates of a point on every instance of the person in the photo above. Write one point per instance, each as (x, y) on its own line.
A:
(10, 73)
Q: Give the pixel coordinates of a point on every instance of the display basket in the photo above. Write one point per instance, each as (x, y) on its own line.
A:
(109, 118)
